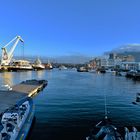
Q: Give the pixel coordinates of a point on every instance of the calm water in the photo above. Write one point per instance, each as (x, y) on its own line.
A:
(73, 102)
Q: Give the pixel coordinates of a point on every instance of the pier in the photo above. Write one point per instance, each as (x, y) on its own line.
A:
(19, 92)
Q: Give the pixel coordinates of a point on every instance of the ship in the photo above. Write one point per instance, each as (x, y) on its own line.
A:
(38, 65)
(20, 65)
(48, 66)
(16, 121)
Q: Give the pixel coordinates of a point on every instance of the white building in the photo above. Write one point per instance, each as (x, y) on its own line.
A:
(130, 65)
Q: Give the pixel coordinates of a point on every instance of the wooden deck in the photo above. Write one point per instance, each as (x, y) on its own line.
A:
(20, 92)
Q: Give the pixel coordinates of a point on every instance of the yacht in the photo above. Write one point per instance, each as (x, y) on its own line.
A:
(38, 65)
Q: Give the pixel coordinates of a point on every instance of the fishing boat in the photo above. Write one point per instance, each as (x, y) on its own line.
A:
(16, 121)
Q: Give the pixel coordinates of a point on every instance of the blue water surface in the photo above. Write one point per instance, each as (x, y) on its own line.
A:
(73, 102)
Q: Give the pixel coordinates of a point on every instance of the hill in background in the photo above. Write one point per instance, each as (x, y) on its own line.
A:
(128, 49)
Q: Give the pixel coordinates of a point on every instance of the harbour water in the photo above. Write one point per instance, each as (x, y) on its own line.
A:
(73, 102)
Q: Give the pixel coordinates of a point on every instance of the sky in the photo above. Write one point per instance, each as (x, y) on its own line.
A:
(70, 27)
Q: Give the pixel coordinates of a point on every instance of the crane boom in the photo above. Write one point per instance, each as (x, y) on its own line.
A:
(7, 57)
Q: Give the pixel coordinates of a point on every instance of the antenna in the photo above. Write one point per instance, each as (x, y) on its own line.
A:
(105, 106)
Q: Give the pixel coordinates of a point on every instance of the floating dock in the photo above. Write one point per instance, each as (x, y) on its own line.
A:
(20, 92)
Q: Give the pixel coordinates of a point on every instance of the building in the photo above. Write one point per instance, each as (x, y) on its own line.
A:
(130, 66)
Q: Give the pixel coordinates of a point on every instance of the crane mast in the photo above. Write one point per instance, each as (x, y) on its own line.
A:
(7, 56)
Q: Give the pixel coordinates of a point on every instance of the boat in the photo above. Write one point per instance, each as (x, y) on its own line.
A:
(137, 100)
(16, 121)
(5, 87)
(62, 67)
(38, 65)
(48, 66)
(20, 65)
(131, 74)
(82, 69)
(132, 135)
(107, 131)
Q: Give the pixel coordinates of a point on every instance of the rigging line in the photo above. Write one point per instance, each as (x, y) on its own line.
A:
(23, 50)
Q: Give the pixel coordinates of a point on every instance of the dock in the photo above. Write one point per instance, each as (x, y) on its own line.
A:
(20, 92)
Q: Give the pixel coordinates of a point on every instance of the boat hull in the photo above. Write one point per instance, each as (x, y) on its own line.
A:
(23, 133)
(19, 69)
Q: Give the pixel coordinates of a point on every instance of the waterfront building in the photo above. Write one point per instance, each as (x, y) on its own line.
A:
(112, 56)
(95, 63)
(104, 62)
(130, 66)
(126, 58)
(125, 62)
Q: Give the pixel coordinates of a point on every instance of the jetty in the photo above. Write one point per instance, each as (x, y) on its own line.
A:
(20, 92)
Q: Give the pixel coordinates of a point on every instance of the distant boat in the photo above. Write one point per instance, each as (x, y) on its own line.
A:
(82, 69)
(5, 87)
(48, 66)
(62, 67)
(20, 65)
(38, 65)
(137, 100)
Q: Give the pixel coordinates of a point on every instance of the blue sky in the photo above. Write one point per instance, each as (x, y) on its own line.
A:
(70, 27)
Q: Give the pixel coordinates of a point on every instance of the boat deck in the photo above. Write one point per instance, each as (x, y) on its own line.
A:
(20, 92)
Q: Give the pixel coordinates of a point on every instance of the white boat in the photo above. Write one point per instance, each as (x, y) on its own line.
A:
(62, 67)
(19, 65)
(5, 87)
(82, 69)
(38, 65)
(16, 122)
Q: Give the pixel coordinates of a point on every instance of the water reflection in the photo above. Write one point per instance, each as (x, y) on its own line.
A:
(6, 78)
(12, 78)
(40, 73)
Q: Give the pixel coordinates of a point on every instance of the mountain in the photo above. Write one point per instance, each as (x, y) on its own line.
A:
(128, 49)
